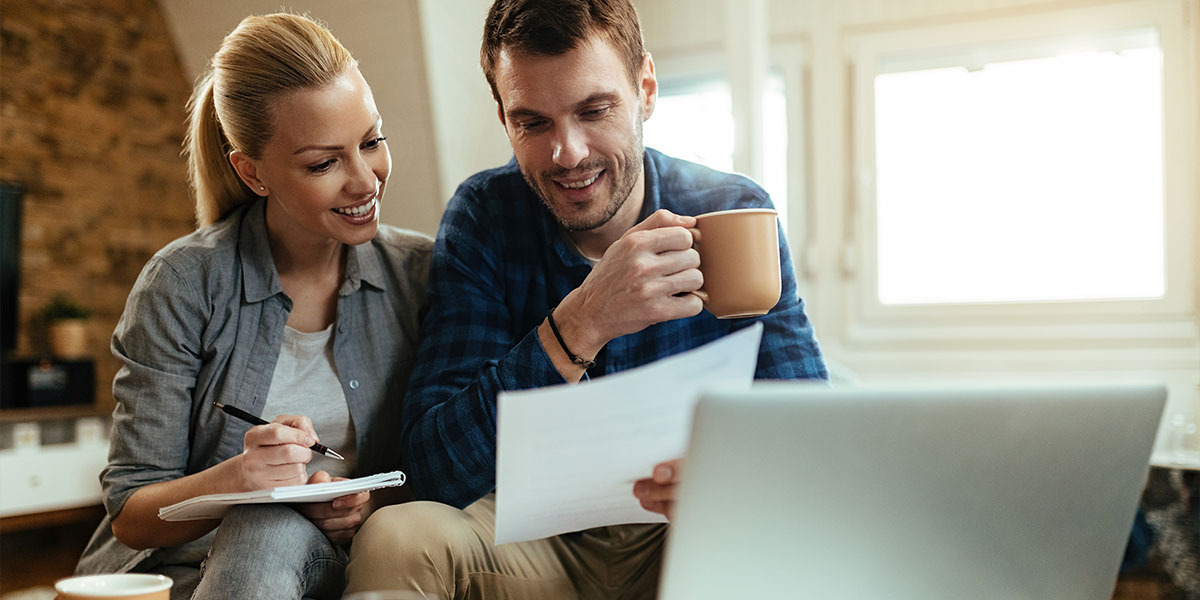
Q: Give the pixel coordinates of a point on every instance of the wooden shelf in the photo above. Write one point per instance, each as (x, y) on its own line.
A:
(50, 413)
(51, 518)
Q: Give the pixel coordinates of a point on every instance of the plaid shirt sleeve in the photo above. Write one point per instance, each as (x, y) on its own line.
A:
(789, 347)
(468, 354)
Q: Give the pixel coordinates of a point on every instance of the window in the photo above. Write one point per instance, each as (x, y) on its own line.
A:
(1036, 179)
(1027, 178)
(693, 120)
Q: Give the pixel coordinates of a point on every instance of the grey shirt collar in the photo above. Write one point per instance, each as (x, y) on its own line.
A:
(260, 280)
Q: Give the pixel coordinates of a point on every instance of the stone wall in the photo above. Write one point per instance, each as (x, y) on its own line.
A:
(92, 100)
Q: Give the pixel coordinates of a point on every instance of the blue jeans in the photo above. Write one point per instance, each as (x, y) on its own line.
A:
(266, 551)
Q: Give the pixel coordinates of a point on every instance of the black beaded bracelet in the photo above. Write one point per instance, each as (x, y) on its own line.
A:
(575, 358)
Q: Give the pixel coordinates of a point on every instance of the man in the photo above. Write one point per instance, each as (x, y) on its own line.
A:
(584, 232)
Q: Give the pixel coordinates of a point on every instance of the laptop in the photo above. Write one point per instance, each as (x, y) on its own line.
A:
(794, 490)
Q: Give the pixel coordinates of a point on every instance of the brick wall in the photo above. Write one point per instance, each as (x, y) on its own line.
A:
(92, 115)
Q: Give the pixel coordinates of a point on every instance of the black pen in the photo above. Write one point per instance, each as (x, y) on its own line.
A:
(253, 420)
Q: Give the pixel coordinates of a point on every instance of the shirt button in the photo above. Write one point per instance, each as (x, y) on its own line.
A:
(354, 384)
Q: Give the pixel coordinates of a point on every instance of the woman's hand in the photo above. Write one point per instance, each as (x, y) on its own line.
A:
(340, 518)
(277, 454)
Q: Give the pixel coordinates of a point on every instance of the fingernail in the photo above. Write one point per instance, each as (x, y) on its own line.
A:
(663, 474)
(308, 440)
(639, 489)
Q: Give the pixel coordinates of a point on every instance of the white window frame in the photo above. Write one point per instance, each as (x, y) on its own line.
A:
(788, 57)
(1167, 325)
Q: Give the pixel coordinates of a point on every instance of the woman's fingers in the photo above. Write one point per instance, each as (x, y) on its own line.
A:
(275, 455)
(300, 422)
(274, 434)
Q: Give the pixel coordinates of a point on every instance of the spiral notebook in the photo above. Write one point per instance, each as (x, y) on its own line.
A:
(214, 506)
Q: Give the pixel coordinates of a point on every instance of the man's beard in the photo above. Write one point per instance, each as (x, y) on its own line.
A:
(620, 190)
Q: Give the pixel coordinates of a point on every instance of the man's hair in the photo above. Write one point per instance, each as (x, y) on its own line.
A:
(554, 27)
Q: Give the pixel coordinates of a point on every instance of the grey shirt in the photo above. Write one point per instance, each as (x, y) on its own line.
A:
(205, 321)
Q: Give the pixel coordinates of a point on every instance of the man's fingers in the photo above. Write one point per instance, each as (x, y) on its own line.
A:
(657, 492)
(660, 240)
(663, 508)
(668, 471)
(648, 490)
(680, 303)
(684, 281)
(664, 218)
(684, 260)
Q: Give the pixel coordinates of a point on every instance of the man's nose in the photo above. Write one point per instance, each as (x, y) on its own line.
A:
(570, 146)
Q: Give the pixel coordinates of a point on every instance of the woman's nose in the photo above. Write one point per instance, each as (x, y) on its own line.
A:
(362, 179)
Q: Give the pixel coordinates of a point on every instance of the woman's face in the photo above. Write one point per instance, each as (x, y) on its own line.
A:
(326, 164)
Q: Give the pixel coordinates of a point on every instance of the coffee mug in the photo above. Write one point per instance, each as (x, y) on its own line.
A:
(115, 586)
(739, 258)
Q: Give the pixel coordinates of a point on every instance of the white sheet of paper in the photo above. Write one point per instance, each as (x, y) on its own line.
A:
(567, 456)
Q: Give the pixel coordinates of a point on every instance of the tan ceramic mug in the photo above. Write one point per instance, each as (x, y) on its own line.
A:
(739, 258)
(115, 586)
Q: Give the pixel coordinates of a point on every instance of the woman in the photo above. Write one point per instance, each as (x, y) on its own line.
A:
(290, 300)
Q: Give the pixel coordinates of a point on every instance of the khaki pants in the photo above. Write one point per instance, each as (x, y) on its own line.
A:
(449, 554)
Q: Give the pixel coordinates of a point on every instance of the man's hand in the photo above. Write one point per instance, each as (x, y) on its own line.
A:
(644, 278)
(276, 454)
(657, 492)
(340, 518)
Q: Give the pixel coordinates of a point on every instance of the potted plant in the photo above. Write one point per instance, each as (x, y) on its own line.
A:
(66, 327)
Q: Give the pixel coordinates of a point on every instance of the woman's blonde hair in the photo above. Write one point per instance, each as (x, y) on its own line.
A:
(230, 107)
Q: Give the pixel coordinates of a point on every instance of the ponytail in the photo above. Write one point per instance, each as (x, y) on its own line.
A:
(230, 108)
(217, 186)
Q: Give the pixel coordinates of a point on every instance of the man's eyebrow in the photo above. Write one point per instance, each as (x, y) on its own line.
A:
(374, 126)
(518, 113)
(609, 96)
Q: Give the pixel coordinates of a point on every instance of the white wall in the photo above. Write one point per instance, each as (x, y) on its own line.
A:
(385, 36)
(468, 132)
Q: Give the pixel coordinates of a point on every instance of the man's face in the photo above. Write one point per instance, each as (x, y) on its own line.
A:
(575, 124)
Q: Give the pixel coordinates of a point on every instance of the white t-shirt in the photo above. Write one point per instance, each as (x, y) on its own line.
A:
(306, 382)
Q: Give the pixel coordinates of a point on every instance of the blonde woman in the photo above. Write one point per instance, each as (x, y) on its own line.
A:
(291, 302)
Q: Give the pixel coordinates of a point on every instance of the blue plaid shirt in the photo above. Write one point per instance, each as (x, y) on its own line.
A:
(500, 263)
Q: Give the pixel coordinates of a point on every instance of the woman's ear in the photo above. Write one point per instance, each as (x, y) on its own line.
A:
(247, 170)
